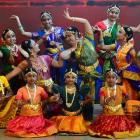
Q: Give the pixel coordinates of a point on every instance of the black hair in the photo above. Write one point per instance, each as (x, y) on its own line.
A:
(114, 5)
(128, 32)
(47, 12)
(4, 32)
(113, 70)
(73, 30)
(29, 69)
(26, 45)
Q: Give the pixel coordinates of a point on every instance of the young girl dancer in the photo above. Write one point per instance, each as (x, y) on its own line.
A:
(30, 122)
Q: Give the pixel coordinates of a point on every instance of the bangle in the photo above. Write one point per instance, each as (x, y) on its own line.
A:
(20, 28)
(101, 41)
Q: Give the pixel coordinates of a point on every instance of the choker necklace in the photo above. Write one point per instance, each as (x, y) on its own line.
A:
(29, 94)
(69, 104)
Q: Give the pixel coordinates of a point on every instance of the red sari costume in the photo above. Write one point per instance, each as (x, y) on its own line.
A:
(31, 122)
(112, 122)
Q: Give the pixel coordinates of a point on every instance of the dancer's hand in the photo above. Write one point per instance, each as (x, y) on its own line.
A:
(67, 15)
(96, 28)
(15, 17)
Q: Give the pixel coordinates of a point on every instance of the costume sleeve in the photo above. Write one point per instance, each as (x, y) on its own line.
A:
(19, 95)
(102, 93)
(90, 38)
(6, 84)
(38, 34)
(44, 94)
(56, 89)
(124, 92)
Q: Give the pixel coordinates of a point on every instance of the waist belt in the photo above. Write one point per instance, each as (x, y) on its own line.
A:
(113, 108)
(89, 68)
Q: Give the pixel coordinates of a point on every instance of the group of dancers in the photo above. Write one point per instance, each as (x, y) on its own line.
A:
(50, 92)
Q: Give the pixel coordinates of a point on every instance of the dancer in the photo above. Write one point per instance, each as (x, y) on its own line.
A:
(30, 122)
(8, 107)
(109, 28)
(50, 36)
(126, 61)
(71, 119)
(42, 64)
(11, 55)
(112, 123)
(80, 54)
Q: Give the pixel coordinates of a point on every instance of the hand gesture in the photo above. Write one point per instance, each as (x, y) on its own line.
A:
(66, 14)
(54, 98)
(96, 28)
(14, 17)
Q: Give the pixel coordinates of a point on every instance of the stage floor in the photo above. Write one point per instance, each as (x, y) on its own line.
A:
(55, 137)
(97, 110)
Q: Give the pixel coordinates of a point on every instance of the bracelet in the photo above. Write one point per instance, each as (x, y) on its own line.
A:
(20, 28)
(101, 41)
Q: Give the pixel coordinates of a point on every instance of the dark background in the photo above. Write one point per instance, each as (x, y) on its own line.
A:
(93, 10)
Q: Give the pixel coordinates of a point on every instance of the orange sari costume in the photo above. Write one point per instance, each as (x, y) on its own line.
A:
(31, 122)
(112, 122)
(129, 71)
(70, 120)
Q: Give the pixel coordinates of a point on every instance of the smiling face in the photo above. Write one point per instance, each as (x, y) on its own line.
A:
(31, 77)
(70, 38)
(113, 14)
(111, 79)
(10, 38)
(70, 78)
(46, 21)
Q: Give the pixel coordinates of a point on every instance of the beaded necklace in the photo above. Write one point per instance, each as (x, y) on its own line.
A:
(69, 104)
(29, 94)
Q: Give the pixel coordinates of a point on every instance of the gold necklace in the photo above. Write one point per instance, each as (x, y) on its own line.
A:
(29, 94)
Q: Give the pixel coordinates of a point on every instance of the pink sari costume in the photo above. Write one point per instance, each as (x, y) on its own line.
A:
(43, 68)
(31, 123)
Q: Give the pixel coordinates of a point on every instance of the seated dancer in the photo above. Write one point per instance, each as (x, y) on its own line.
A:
(70, 120)
(8, 107)
(133, 110)
(11, 55)
(126, 61)
(30, 122)
(113, 123)
(80, 54)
